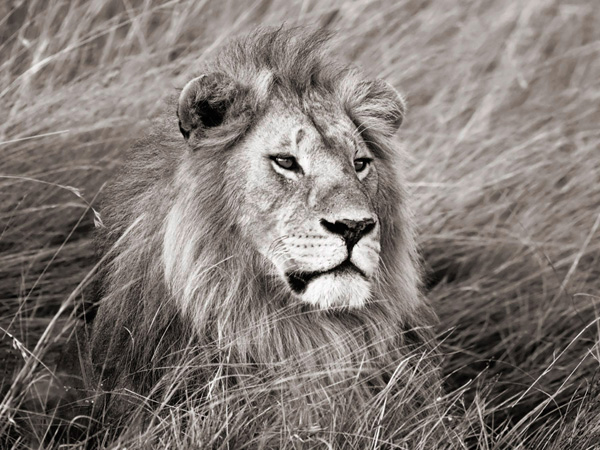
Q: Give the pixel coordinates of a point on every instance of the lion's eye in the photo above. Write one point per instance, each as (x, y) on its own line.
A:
(361, 164)
(286, 162)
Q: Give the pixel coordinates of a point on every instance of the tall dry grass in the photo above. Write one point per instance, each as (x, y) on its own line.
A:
(504, 133)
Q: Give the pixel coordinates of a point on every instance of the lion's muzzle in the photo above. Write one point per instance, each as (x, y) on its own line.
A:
(333, 262)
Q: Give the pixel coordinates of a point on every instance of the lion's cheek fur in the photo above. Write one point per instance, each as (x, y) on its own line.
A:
(178, 250)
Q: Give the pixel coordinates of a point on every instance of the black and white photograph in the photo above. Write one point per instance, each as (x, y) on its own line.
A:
(300, 224)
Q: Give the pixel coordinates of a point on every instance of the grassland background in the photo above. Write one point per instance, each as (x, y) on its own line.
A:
(503, 133)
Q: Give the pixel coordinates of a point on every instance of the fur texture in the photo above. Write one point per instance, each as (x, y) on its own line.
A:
(187, 297)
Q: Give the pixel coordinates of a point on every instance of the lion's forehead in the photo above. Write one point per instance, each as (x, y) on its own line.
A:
(320, 129)
(333, 126)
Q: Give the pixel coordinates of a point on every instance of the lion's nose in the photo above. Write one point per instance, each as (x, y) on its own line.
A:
(351, 230)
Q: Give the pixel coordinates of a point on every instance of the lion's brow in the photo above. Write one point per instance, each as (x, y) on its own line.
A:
(285, 142)
(327, 138)
(333, 134)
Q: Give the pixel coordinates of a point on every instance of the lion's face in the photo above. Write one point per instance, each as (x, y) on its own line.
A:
(310, 188)
(301, 181)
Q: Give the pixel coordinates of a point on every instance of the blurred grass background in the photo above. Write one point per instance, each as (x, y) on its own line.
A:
(503, 133)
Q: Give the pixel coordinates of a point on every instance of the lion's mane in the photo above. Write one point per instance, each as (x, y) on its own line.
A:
(218, 315)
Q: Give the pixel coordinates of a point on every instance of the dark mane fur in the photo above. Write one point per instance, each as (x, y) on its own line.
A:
(238, 327)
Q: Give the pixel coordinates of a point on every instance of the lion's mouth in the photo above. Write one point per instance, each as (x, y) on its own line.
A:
(298, 281)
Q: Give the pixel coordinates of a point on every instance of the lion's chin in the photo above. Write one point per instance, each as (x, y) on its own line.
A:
(337, 290)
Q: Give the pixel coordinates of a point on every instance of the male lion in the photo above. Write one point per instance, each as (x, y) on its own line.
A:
(260, 238)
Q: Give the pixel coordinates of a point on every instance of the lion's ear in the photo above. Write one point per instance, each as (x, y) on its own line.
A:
(204, 103)
(377, 106)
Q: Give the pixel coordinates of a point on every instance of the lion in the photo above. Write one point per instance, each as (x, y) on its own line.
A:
(262, 230)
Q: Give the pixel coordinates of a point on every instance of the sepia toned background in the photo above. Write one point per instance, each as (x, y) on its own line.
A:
(503, 137)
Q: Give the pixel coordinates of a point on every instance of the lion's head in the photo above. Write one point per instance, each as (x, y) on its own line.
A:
(311, 201)
(313, 164)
